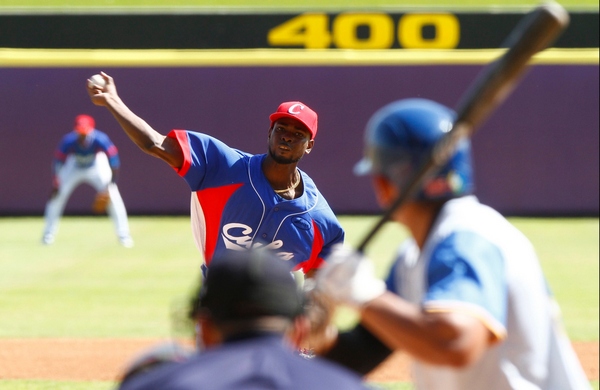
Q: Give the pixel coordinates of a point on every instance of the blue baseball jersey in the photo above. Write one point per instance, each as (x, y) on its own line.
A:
(234, 207)
(475, 262)
(85, 153)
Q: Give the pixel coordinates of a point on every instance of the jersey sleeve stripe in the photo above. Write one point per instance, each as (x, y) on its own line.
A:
(494, 326)
(60, 156)
(182, 139)
(111, 150)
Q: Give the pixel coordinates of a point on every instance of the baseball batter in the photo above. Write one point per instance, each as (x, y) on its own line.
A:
(86, 155)
(466, 296)
(239, 200)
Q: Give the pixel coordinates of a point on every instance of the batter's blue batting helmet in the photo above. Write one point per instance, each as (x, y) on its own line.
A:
(399, 138)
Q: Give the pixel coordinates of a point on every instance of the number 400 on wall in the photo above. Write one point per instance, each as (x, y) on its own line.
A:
(368, 31)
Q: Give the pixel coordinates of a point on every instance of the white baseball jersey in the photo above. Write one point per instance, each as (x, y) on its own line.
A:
(474, 261)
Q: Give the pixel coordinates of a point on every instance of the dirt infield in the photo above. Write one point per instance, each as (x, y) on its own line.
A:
(104, 359)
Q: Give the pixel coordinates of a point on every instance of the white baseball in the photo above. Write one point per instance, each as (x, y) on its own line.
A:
(96, 81)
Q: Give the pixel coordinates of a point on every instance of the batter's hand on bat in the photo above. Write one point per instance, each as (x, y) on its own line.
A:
(349, 278)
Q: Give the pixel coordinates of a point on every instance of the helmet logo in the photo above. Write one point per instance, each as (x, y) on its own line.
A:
(294, 107)
(455, 182)
(445, 126)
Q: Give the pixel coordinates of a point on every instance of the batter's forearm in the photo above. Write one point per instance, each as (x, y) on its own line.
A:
(437, 338)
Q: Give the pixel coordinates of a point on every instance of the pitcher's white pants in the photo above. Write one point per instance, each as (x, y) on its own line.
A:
(98, 176)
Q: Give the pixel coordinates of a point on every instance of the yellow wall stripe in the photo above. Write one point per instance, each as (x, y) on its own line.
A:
(274, 57)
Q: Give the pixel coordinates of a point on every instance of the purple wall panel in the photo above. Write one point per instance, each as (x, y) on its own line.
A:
(537, 154)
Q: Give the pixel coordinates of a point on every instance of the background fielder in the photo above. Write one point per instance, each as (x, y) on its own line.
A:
(86, 155)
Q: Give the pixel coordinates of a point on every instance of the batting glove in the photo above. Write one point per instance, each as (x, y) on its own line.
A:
(349, 278)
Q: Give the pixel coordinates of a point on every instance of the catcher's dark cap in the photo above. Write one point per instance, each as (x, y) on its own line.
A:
(249, 284)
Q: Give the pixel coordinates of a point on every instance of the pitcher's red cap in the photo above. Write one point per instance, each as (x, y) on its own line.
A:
(84, 124)
(299, 111)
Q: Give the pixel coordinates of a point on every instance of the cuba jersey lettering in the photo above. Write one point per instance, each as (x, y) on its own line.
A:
(233, 206)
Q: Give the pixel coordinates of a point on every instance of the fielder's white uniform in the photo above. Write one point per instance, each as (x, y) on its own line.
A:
(475, 261)
(91, 162)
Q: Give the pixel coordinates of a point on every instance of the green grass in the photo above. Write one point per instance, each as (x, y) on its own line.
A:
(568, 249)
(86, 285)
(86, 277)
(69, 289)
(54, 385)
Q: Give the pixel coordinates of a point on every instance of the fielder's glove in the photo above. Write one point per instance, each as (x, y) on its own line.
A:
(100, 202)
(349, 278)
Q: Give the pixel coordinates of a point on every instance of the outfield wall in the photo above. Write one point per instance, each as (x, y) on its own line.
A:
(223, 73)
(536, 155)
(375, 29)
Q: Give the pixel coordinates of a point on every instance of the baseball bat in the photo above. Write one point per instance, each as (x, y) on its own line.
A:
(534, 33)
